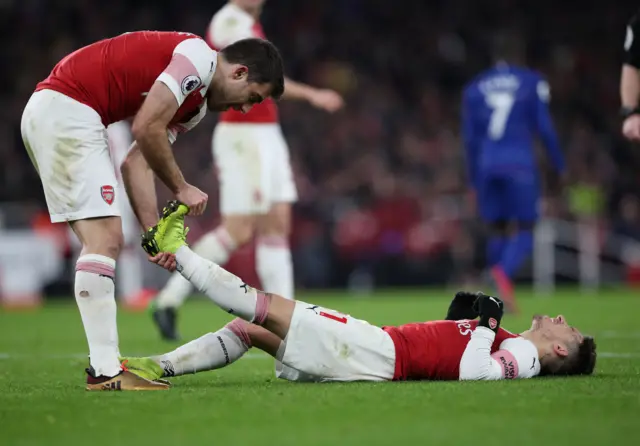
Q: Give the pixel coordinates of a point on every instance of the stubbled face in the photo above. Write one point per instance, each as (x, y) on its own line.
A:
(556, 330)
(236, 92)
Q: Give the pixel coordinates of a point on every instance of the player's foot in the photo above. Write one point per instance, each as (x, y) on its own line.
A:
(125, 380)
(145, 368)
(170, 233)
(165, 320)
(504, 287)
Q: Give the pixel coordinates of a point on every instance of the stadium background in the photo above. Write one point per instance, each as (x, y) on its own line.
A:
(383, 193)
(384, 202)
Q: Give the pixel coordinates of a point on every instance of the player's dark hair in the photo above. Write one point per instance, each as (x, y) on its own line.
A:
(581, 361)
(262, 59)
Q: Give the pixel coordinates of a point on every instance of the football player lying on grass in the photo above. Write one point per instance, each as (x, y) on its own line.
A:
(320, 344)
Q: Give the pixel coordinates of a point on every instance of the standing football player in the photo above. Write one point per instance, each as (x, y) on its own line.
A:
(503, 109)
(630, 81)
(165, 81)
(258, 201)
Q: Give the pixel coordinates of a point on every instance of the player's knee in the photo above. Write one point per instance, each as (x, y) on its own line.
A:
(100, 236)
(277, 222)
(111, 243)
(240, 228)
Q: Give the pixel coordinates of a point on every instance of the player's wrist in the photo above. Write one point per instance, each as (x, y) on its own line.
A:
(627, 111)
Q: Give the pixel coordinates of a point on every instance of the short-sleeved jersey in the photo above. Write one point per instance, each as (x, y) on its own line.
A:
(113, 76)
(433, 350)
(631, 43)
(504, 109)
(230, 24)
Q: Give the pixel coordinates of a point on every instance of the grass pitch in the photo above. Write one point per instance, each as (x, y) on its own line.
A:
(42, 401)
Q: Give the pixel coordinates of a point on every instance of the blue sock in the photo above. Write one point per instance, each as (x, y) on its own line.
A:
(518, 250)
(495, 249)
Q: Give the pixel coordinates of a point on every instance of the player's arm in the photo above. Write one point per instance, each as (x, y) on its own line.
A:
(545, 125)
(191, 67)
(150, 132)
(476, 362)
(324, 99)
(140, 186)
(470, 138)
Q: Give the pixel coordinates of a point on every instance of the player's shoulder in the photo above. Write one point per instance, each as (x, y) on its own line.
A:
(525, 354)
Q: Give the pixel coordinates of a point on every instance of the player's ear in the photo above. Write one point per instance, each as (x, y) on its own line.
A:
(240, 72)
(560, 350)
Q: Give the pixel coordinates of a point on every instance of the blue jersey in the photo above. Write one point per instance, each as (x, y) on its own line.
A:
(504, 109)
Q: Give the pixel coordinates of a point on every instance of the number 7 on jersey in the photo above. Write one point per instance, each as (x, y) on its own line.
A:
(501, 104)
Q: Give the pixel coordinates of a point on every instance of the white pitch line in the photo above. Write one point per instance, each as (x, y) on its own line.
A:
(15, 356)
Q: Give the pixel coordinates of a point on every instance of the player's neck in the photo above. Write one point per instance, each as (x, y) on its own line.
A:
(253, 11)
(540, 344)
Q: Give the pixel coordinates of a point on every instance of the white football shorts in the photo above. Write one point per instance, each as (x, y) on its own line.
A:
(253, 167)
(68, 145)
(325, 345)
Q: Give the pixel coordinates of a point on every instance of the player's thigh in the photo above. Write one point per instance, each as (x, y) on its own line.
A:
(336, 347)
(68, 145)
(282, 186)
(242, 169)
(492, 204)
(523, 197)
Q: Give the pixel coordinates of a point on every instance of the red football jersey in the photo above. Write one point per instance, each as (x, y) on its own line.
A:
(433, 350)
(114, 75)
(230, 24)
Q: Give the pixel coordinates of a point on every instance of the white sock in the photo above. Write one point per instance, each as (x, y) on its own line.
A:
(274, 266)
(216, 246)
(225, 289)
(209, 352)
(129, 276)
(94, 290)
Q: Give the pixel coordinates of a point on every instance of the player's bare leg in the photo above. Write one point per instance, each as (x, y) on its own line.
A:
(101, 240)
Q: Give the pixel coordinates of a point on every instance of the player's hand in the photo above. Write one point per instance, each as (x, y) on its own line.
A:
(165, 260)
(631, 128)
(490, 309)
(194, 198)
(327, 100)
(462, 306)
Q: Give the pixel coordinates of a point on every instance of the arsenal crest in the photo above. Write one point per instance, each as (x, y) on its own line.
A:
(108, 194)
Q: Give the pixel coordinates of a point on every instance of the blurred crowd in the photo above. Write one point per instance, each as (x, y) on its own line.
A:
(382, 183)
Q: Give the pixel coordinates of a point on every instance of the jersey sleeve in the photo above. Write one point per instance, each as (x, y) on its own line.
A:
(513, 360)
(191, 67)
(631, 44)
(545, 126)
(176, 129)
(518, 358)
(228, 29)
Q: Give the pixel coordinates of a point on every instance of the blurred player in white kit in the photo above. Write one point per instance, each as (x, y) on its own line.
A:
(256, 180)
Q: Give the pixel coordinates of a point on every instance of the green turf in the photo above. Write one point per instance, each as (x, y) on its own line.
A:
(42, 401)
